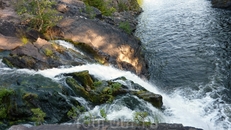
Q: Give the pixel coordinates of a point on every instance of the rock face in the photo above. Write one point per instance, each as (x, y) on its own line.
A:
(103, 34)
(42, 55)
(99, 92)
(226, 4)
(123, 49)
(19, 94)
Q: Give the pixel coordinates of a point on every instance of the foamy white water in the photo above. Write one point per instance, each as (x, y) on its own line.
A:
(67, 45)
(179, 109)
(189, 112)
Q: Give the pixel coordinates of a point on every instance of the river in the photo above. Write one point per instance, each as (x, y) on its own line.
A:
(188, 47)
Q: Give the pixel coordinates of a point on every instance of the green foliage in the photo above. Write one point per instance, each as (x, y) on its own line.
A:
(4, 93)
(126, 27)
(88, 118)
(122, 6)
(38, 116)
(90, 11)
(4, 100)
(39, 14)
(101, 5)
(48, 52)
(114, 87)
(24, 40)
(30, 95)
(140, 117)
(74, 112)
(103, 114)
(97, 83)
(7, 62)
(3, 112)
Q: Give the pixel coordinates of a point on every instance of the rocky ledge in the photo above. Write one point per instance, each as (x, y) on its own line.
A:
(226, 4)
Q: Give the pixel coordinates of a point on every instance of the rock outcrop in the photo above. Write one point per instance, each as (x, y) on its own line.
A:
(43, 55)
(20, 94)
(226, 4)
(99, 92)
(124, 50)
(101, 33)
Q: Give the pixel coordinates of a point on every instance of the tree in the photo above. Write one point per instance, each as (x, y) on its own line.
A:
(38, 14)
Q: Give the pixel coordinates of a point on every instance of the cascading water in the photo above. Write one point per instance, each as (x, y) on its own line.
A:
(188, 48)
(177, 108)
(189, 63)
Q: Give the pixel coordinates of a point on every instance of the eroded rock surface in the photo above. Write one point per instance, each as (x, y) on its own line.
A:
(226, 4)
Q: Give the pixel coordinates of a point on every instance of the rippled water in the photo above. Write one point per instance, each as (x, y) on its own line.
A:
(188, 46)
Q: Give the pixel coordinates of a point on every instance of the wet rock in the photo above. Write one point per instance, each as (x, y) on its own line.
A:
(154, 99)
(226, 4)
(42, 55)
(21, 93)
(119, 46)
(100, 92)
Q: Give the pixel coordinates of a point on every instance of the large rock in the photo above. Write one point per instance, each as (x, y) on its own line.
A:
(21, 93)
(124, 50)
(42, 55)
(100, 92)
(222, 4)
(103, 34)
(8, 39)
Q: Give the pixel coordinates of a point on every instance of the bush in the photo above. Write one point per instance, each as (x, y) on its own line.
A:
(39, 14)
(38, 116)
(126, 27)
(101, 5)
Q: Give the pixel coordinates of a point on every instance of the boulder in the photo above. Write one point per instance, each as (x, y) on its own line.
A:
(43, 54)
(226, 4)
(124, 50)
(19, 94)
(100, 92)
(154, 99)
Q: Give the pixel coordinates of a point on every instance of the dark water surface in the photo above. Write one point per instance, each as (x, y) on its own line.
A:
(188, 47)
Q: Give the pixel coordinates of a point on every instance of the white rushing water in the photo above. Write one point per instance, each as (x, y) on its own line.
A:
(179, 109)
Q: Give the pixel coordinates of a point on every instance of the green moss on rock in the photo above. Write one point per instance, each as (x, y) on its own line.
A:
(7, 62)
(84, 79)
(154, 99)
(91, 52)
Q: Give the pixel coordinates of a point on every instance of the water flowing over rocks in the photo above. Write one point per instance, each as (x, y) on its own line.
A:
(100, 40)
(42, 55)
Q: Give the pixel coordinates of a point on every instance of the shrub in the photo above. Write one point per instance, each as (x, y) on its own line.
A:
(39, 14)
(126, 27)
(38, 116)
(103, 114)
(101, 5)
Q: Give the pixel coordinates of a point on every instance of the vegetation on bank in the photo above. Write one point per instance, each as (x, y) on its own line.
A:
(38, 14)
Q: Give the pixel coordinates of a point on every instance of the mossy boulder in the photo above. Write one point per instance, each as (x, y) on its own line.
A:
(154, 99)
(92, 52)
(19, 94)
(42, 55)
(105, 91)
(84, 79)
